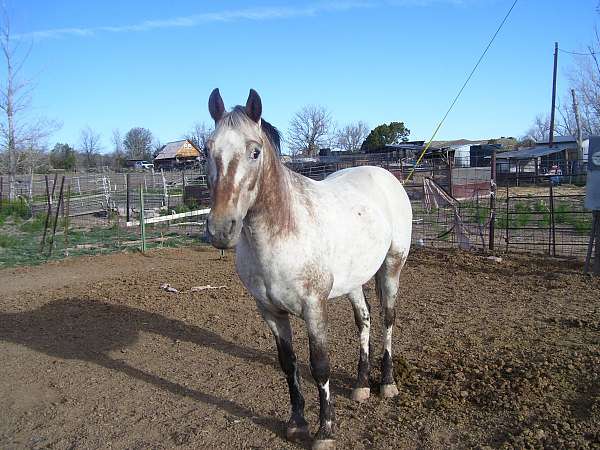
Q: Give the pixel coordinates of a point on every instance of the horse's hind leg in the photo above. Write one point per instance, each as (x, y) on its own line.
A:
(387, 282)
(362, 317)
(279, 323)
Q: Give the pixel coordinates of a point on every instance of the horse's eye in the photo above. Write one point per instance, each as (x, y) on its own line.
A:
(255, 153)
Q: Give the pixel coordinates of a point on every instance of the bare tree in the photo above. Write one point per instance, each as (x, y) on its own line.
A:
(310, 129)
(351, 137)
(117, 142)
(20, 136)
(540, 129)
(89, 146)
(585, 79)
(198, 134)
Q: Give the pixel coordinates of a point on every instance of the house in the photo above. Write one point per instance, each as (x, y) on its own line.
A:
(177, 155)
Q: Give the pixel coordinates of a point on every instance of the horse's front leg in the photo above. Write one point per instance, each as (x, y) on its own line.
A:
(279, 323)
(315, 315)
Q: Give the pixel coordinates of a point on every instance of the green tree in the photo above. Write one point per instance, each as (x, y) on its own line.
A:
(385, 134)
(63, 156)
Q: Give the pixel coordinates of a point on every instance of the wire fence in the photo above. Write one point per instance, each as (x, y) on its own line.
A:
(59, 215)
(482, 204)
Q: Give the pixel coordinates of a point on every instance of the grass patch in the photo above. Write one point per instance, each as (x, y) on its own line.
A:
(34, 224)
(7, 241)
(522, 214)
(17, 209)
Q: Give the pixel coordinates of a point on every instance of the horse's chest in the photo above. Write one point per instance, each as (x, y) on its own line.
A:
(272, 281)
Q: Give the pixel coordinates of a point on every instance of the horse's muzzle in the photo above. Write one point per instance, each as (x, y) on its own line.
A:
(223, 232)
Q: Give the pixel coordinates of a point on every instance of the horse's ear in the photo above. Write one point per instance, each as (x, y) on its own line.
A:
(254, 106)
(215, 105)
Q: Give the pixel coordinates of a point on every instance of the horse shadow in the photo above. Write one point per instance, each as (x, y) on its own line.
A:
(90, 330)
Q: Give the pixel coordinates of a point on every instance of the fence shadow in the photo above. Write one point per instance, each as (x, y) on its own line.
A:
(90, 330)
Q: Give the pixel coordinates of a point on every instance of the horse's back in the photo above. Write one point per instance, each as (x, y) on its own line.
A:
(381, 188)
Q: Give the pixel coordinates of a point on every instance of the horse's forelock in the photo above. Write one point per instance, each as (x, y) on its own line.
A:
(237, 118)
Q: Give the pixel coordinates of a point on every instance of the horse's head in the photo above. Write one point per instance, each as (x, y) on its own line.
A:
(234, 159)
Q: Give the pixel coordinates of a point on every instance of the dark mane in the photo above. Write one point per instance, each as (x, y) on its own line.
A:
(238, 114)
(273, 135)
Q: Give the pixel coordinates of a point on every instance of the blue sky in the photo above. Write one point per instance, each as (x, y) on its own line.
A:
(116, 64)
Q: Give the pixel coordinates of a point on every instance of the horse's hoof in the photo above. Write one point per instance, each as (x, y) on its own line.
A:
(361, 394)
(297, 433)
(389, 390)
(324, 444)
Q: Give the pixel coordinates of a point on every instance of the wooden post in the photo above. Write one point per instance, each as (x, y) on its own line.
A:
(552, 111)
(165, 191)
(60, 198)
(128, 190)
(142, 218)
(49, 210)
(492, 201)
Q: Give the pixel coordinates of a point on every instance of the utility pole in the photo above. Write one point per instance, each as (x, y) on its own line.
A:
(551, 140)
(578, 123)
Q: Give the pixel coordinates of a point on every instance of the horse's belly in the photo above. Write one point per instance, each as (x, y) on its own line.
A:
(358, 256)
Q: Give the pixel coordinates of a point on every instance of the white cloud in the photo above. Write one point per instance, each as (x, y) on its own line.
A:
(254, 14)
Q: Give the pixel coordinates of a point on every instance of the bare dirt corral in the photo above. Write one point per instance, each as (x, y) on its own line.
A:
(94, 355)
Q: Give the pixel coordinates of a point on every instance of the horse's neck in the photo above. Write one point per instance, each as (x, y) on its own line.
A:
(272, 214)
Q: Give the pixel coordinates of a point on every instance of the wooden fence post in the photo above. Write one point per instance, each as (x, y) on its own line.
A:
(165, 191)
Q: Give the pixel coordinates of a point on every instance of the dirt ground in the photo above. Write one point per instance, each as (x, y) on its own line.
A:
(488, 354)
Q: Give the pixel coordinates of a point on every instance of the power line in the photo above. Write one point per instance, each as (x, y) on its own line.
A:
(461, 90)
(577, 53)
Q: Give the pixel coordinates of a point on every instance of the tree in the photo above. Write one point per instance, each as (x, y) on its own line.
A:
(385, 134)
(198, 134)
(20, 134)
(351, 137)
(539, 131)
(118, 154)
(310, 129)
(63, 156)
(138, 143)
(157, 147)
(89, 146)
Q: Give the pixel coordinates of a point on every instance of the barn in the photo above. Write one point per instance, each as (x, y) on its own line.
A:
(177, 155)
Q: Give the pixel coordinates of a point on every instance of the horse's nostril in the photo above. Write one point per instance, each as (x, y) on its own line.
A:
(232, 227)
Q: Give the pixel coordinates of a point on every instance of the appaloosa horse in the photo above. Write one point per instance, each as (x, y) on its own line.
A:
(301, 242)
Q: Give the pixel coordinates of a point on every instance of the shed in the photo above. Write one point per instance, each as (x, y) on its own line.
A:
(177, 154)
